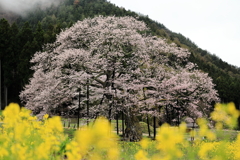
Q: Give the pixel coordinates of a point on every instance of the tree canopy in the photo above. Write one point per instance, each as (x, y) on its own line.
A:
(126, 68)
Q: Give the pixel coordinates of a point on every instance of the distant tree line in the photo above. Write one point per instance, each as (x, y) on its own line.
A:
(17, 46)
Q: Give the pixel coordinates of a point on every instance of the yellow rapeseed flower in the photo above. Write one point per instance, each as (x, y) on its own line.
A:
(3, 152)
(234, 148)
(225, 113)
(24, 137)
(12, 110)
(113, 153)
(204, 150)
(169, 138)
(144, 143)
(45, 116)
(94, 142)
(231, 109)
(211, 136)
(73, 151)
(141, 155)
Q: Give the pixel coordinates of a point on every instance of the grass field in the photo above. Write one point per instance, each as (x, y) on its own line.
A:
(71, 123)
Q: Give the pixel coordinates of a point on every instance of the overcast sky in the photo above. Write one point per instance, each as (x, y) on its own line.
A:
(213, 25)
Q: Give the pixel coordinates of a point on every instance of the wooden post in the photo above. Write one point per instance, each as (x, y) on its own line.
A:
(167, 115)
(69, 123)
(117, 125)
(87, 101)
(109, 112)
(115, 96)
(79, 101)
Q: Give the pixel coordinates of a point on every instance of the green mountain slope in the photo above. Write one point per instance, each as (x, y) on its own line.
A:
(43, 25)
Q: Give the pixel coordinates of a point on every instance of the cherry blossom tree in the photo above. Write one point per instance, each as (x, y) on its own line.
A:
(125, 68)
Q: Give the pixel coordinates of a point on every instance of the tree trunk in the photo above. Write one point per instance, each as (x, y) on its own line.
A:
(1, 85)
(6, 95)
(154, 128)
(122, 124)
(133, 131)
(149, 132)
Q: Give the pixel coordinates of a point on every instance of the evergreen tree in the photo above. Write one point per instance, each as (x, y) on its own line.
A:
(11, 74)
(24, 61)
(4, 54)
(39, 36)
(4, 38)
(25, 34)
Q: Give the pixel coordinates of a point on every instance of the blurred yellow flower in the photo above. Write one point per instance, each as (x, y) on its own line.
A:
(24, 137)
(94, 142)
(141, 155)
(144, 143)
(225, 113)
(45, 116)
(205, 148)
(3, 152)
(169, 138)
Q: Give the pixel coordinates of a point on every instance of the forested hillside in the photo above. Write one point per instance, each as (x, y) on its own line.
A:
(21, 37)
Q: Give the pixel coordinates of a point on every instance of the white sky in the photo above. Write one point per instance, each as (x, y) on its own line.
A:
(213, 25)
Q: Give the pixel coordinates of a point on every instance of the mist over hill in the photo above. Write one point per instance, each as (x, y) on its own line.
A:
(21, 7)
